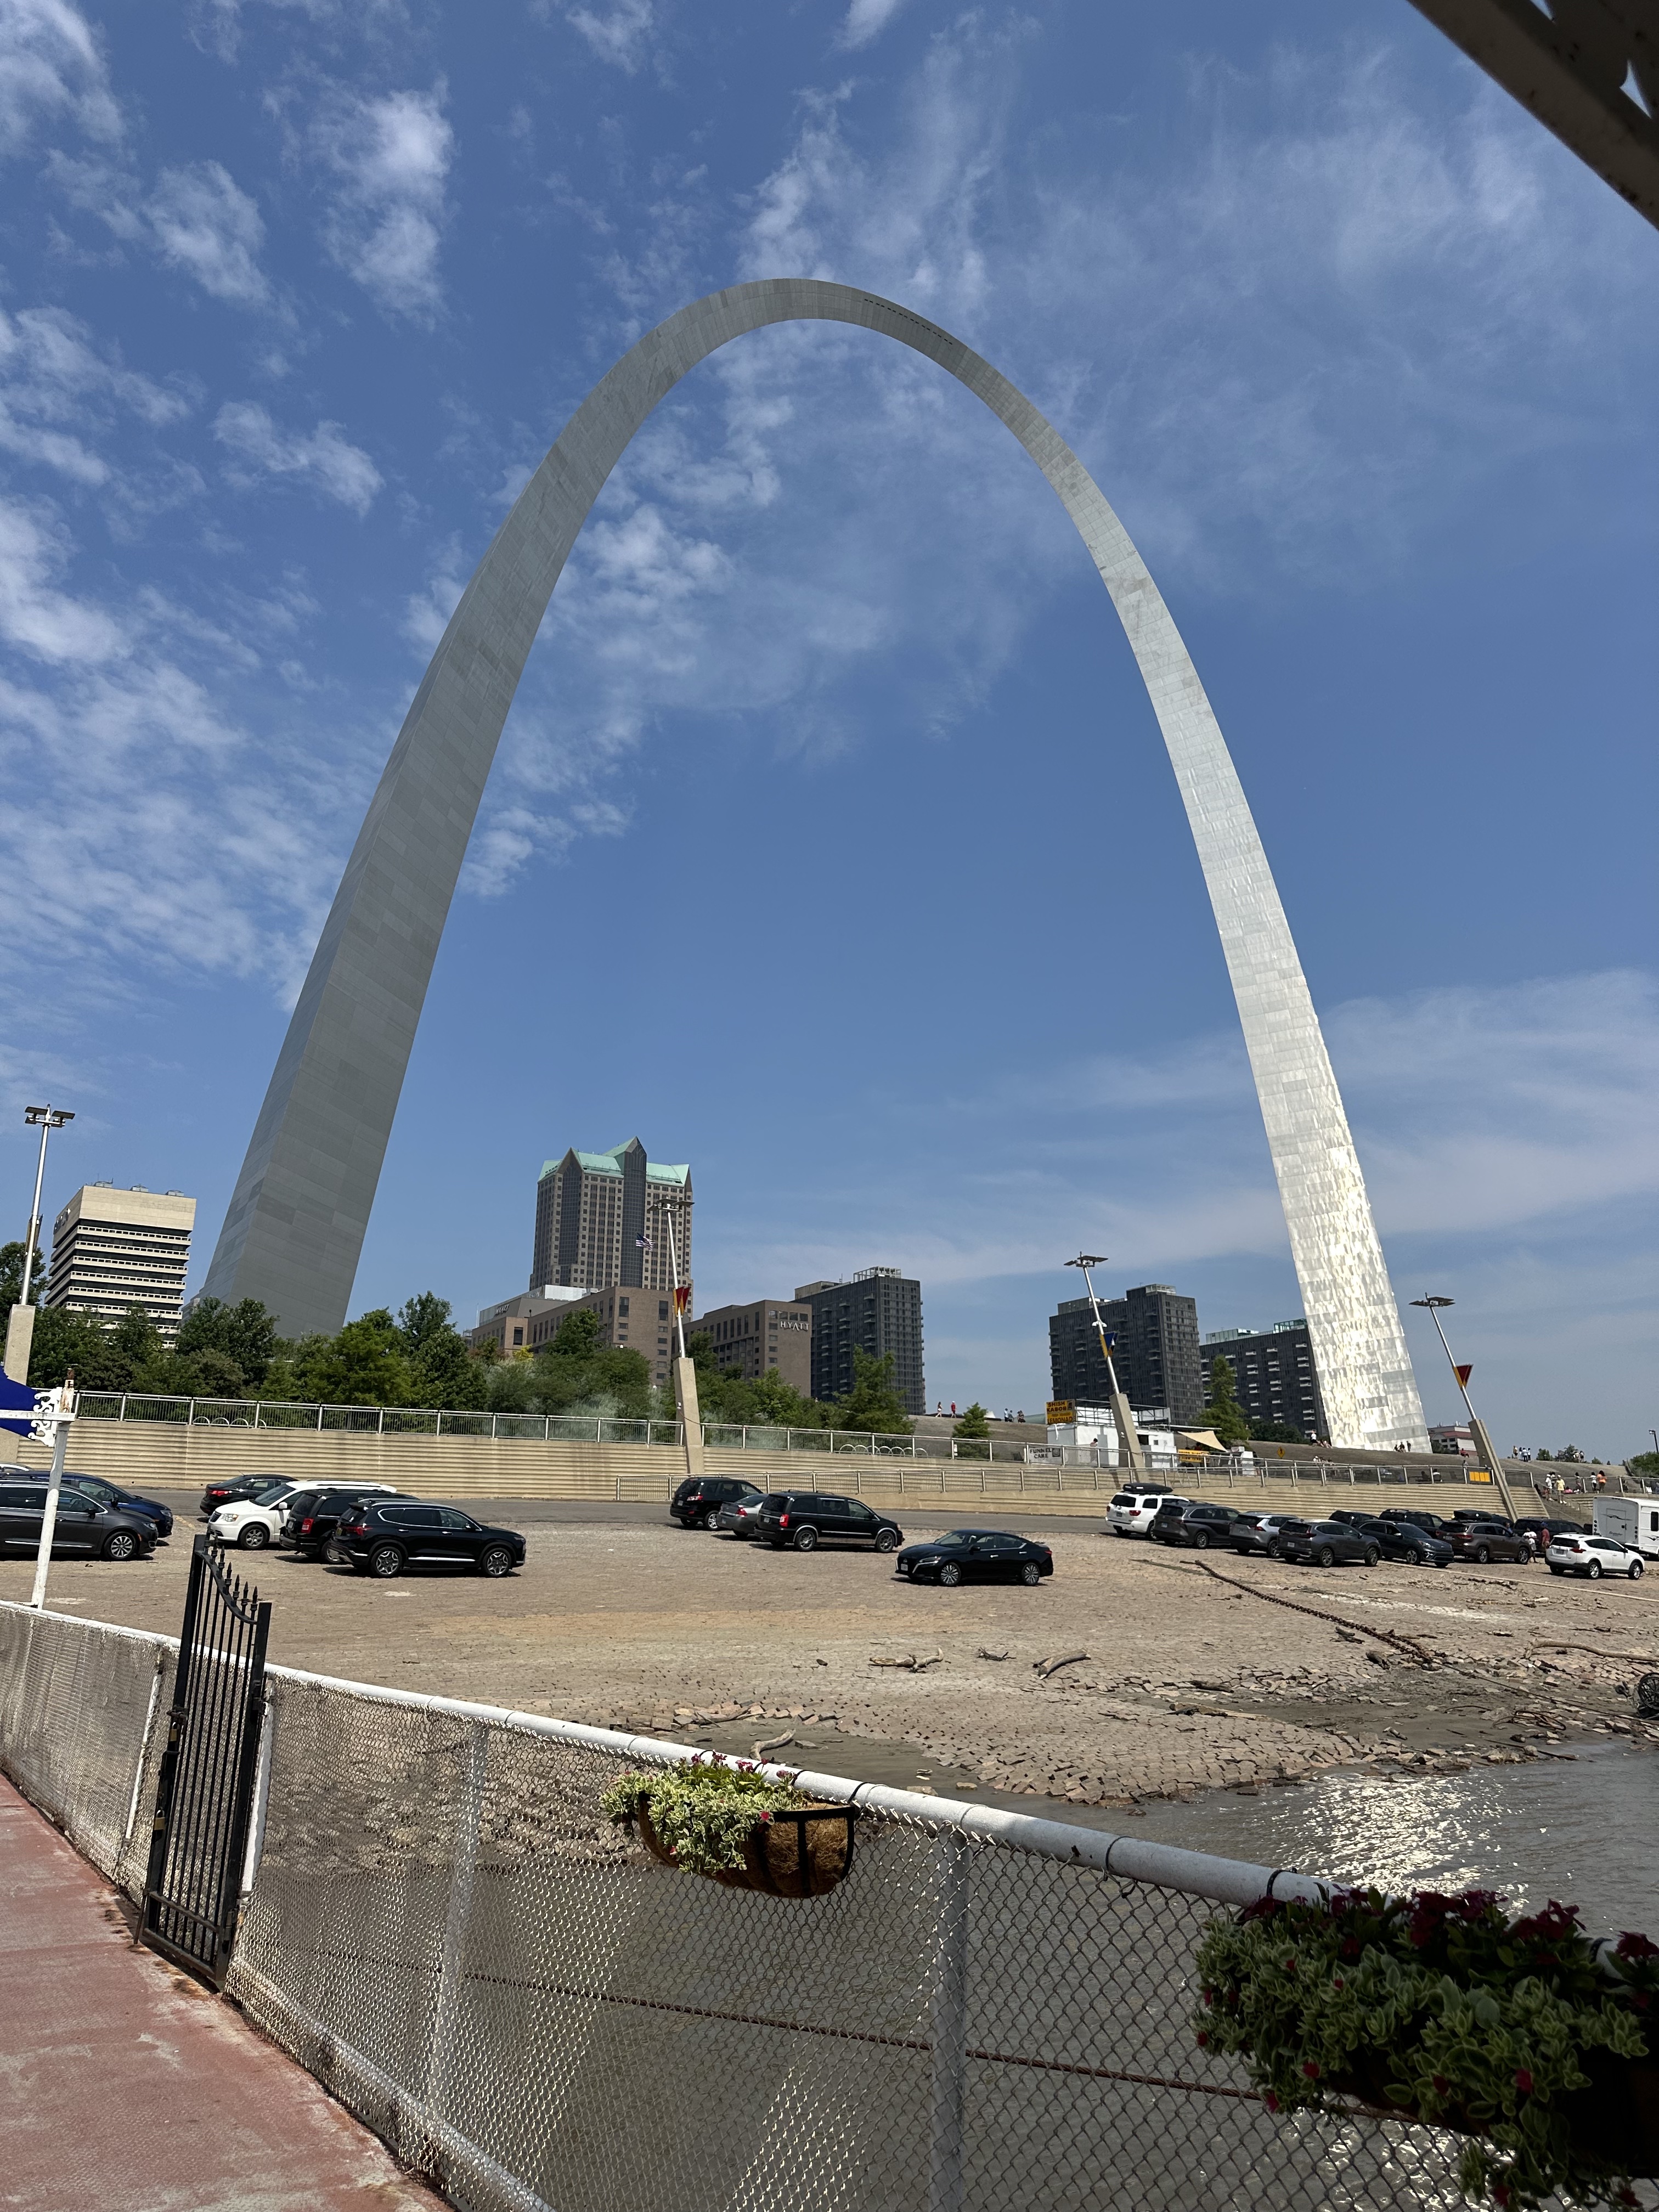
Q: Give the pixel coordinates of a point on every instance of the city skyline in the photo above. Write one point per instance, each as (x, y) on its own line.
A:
(803, 679)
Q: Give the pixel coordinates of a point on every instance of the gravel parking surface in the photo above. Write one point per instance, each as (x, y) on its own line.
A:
(1190, 1682)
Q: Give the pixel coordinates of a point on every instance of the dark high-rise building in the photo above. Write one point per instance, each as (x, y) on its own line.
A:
(592, 1210)
(1155, 1353)
(1274, 1377)
(878, 1311)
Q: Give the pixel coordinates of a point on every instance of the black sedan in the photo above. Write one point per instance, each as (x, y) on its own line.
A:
(976, 1555)
(1196, 1526)
(383, 1536)
(1329, 1543)
(242, 1490)
(1405, 1540)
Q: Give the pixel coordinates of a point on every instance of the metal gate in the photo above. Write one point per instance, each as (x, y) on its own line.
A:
(192, 1889)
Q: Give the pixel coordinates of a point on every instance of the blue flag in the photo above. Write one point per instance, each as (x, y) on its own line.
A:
(18, 1404)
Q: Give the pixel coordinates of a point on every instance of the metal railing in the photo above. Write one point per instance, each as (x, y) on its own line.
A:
(990, 2014)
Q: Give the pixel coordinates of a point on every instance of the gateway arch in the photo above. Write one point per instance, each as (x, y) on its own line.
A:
(296, 1220)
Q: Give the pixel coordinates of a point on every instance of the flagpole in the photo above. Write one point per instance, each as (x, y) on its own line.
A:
(1483, 1443)
(61, 1415)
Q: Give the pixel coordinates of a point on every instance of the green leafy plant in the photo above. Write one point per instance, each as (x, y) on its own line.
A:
(1444, 2008)
(703, 1815)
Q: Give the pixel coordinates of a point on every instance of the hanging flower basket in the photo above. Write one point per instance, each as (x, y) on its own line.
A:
(733, 1825)
(1520, 2034)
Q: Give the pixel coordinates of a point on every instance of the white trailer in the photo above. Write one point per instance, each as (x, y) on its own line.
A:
(1633, 1521)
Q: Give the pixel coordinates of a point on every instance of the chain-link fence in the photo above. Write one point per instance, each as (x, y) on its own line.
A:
(990, 2011)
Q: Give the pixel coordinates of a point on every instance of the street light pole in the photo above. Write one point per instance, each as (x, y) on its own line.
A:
(19, 1329)
(1483, 1443)
(1122, 1413)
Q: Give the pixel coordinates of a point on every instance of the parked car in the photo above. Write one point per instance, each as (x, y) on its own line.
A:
(1197, 1526)
(697, 1503)
(976, 1555)
(806, 1518)
(1543, 1529)
(1431, 1523)
(1329, 1543)
(1404, 1540)
(311, 1517)
(105, 1493)
(1131, 1511)
(84, 1530)
(1262, 1535)
(740, 1517)
(254, 1523)
(1350, 1518)
(1481, 1540)
(383, 1536)
(1593, 1557)
(235, 1491)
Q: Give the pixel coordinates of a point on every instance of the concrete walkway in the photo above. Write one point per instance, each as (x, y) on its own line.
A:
(128, 2087)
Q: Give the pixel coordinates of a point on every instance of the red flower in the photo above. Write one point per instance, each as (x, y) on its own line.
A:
(1203, 2038)
(1310, 2068)
(1441, 2085)
(1523, 2081)
(1271, 2101)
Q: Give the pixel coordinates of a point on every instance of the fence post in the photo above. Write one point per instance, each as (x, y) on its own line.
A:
(379, 1426)
(437, 1426)
(190, 1418)
(319, 1420)
(447, 2000)
(122, 1415)
(949, 2022)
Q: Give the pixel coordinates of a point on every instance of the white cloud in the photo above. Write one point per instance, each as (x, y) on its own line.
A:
(50, 69)
(619, 32)
(390, 156)
(867, 20)
(342, 470)
(35, 615)
(201, 222)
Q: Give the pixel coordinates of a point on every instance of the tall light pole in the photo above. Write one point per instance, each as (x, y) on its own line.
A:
(1122, 1413)
(19, 1329)
(1483, 1443)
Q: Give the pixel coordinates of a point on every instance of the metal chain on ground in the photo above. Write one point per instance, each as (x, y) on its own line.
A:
(1407, 1644)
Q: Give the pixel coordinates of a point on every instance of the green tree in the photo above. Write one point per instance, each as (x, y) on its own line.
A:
(11, 1274)
(442, 1371)
(65, 1343)
(1221, 1408)
(974, 1423)
(1274, 1433)
(364, 1365)
(873, 1402)
(1646, 1464)
(244, 1334)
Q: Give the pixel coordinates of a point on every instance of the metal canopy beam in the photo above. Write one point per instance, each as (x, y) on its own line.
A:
(1573, 66)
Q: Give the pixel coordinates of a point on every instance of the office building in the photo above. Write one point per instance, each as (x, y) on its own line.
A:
(770, 1336)
(1274, 1377)
(878, 1311)
(591, 1210)
(1456, 1440)
(112, 1249)
(632, 1320)
(1154, 1349)
(506, 1325)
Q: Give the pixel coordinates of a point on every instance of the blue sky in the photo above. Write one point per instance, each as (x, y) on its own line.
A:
(831, 845)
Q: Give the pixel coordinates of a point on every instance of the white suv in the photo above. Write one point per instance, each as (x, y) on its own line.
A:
(1130, 1513)
(1594, 1556)
(253, 1526)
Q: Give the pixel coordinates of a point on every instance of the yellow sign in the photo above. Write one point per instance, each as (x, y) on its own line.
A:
(1478, 1475)
(1061, 1413)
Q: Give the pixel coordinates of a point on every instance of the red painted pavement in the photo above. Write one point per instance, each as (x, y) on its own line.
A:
(125, 2086)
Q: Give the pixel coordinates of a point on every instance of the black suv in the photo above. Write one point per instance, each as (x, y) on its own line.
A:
(385, 1536)
(1201, 1526)
(314, 1515)
(696, 1504)
(85, 1529)
(806, 1517)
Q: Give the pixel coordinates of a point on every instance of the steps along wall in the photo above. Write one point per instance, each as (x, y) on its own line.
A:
(147, 1456)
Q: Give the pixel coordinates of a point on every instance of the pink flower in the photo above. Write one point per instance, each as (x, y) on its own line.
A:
(1271, 2101)
(1523, 2081)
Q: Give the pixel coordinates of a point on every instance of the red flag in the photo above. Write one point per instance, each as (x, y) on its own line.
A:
(682, 1298)
(1463, 1375)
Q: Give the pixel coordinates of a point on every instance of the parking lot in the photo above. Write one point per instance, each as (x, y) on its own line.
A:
(1188, 1682)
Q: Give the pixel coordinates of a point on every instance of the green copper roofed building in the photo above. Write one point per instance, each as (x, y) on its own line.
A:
(593, 1208)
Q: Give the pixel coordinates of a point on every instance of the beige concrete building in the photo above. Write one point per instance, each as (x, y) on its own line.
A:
(770, 1336)
(630, 1317)
(593, 1209)
(114, 1248)
(506, 1325)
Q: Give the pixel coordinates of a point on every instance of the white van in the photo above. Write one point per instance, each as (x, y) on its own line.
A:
(1131, 1512)
(1633, 1521)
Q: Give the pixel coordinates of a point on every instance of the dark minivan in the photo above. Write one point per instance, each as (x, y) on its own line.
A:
(85, 1529)
(696, 1504)
(102, 1494)
(806, 1518)
(385, 1536)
